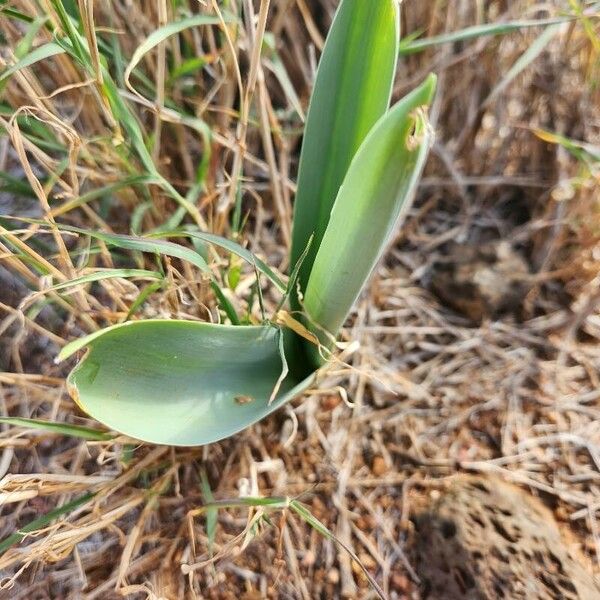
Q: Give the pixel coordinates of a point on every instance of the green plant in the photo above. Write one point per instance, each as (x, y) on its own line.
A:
(189, 383)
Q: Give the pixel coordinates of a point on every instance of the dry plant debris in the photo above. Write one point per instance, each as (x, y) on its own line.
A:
(511, 389)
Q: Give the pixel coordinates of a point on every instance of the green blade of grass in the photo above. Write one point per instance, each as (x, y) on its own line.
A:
(77, 431)
(131, 242)
(24, 46)
(76, 46)
(376, 193)
(13, 185)
(141, 298)
(105, 274)
(232, 247)
(212, 513)
(352, 90)
(105, 191)
(187, 67)
(277, 67)
(43, 521)
(36, 55)
(532, 52)
(468, 33)
(311, 520)
(161, 34)
(582, 151)
(12, 13)
(225, 304)
(273, 503)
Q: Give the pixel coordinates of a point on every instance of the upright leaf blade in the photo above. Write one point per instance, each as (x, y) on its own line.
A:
(375, 194)
(352, 90)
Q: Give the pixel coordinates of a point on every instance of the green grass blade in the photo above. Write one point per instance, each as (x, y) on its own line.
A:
(77, 431)
(142, 297)
(532, 52)
(272, 503)
(159, 246)
(232, 247)
(70, 28)
(278, 68)
(187, 67)
(474, 32)
(311, 520)
(108, 190)
(12, 13)
(105, 274)
(376, 193)
(582, 151)
(40, 53)
(131, 242)
(225, 304)
(24, 46)
(352, 91)
(13, 185)
(43, 521)
(181, 383)
(76, 47)
(162, 33)
(212, 513)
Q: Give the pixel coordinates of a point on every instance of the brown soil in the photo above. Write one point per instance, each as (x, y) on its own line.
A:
(483, 539)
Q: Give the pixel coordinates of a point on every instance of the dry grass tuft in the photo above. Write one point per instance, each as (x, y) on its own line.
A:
(479, 337)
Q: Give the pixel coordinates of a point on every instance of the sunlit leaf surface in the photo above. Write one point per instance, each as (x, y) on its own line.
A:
(180, 382)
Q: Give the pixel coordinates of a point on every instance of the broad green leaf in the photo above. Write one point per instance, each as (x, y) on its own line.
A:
(86, 433)
(352, 91)
(376, 193)
(180, 382)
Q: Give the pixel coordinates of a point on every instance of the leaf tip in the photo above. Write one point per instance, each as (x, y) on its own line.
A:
(429, 86)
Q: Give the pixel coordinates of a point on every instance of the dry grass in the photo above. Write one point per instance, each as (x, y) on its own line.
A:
(479, 336)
